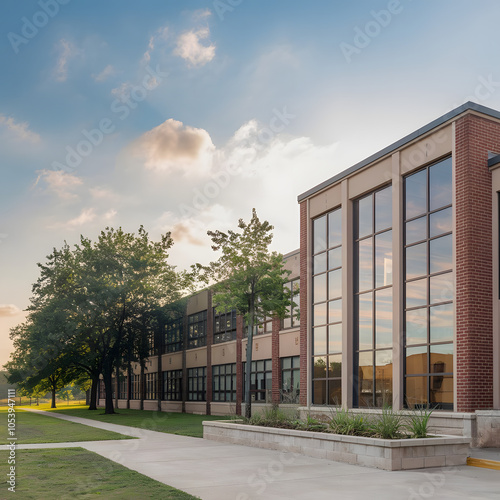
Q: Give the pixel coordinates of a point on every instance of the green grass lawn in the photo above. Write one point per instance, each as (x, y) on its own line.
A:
(185, 424)
(74, 472)
(36, 428)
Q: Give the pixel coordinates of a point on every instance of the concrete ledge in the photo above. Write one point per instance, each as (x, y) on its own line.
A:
(387, 454)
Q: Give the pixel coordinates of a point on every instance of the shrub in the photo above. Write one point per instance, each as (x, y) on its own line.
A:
(388, 424)
(343, 422)
(418, 423)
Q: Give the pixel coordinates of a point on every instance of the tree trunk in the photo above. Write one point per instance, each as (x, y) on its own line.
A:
(93, 393)
(53, 404)
(141, 388)
(108, 387)
(248, 366)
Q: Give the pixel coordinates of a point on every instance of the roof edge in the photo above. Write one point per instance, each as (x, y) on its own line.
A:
(468, 106)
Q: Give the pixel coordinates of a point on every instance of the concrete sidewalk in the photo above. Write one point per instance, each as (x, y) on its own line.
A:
(219, 471)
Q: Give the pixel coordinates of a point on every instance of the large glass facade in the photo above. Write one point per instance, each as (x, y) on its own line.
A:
(373, 299)
(327, 309)
(429, 287)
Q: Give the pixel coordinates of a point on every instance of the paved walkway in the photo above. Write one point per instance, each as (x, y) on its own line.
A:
(219, 471)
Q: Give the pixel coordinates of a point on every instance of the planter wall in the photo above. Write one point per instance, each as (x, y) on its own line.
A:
(387, 454)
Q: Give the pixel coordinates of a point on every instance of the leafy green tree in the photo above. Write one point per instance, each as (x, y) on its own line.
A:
(249, 278)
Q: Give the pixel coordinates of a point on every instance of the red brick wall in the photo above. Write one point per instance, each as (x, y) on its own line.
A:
(474, 273)
(304, 256)
(210, 341)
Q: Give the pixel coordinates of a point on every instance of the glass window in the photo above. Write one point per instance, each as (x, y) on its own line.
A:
(197, 330)
(293, 319)
(429, 329)
(173, 336)
(260, 380)
(290, 379)
(373, 299)
(319, 231)
(151, 386)
(224, 382)
(197, 384)
(224, 326)
(172, 385)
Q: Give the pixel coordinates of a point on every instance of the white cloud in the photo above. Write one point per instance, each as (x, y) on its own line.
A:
(200, 14)
(66, 52)
(191, 50)
(174, 146)
(86, 216)
(9, 310)
(19, 131)
(110, 214)
(59, 182)
(123, 91)
(160, 35)
(104, 74)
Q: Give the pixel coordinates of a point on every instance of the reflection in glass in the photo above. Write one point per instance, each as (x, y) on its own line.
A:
(416, 293)
(319, 263)
(335, 284)
(440, 184)
(335, 338)
(383, 377)
(441, 323)
(383, 259)
(334, 228)
(320, 367)
(416, 360)
(319, 340)
(383, 209)
(335, 365)
(365, 379)
(441, 288)
(319, 286)
(319, 392)
(335, 258)
(365, 263)
(441, 392)
(365, 216)
(416, 392)
(416, 326)
(440, 222)
(383, 318)
(335, 311)
(442, 358)
(416, 194)
(319, 231)
(416, 230)
(335, 392)
(440, 254)
(320, 314)
(365, 313)
(416, 261)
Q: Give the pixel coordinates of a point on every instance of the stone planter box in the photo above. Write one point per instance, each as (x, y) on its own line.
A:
(387, 454)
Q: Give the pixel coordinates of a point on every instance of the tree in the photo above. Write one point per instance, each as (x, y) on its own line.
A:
(98, 292)
(248, 278)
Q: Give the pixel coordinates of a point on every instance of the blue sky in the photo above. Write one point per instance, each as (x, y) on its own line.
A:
(200, 110)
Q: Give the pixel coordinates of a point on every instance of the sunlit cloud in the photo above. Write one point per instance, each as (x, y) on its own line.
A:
(66, 52)
(86, 216)
(107, 72)
(9, 310)
(160, 36)
(59, 182)
(191, 50)
(19, 130)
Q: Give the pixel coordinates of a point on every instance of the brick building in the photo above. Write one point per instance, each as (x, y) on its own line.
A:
(399, 292)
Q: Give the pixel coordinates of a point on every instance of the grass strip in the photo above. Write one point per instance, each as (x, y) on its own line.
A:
(184, 424)
(38, 428)
(66, 473)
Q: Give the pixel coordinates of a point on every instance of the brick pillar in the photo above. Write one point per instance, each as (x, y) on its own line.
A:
(239, 364)
(474, 136)
(304, 256)
(276, 373)
(210, 341)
